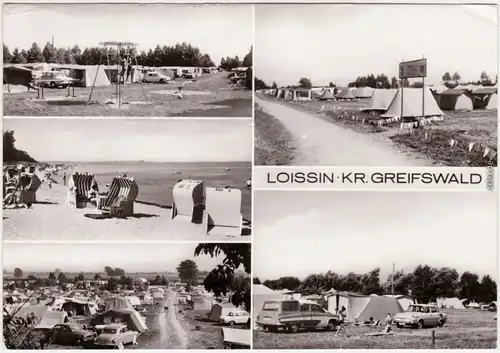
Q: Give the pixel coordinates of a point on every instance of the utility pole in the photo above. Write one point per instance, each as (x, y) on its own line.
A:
(53, 57)
(392, 278)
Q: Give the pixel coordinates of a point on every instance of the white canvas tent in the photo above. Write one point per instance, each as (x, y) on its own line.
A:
(404, 300)
(86, 74)
(346, 93)
(380, 100)
(455, 99)
(364, 307)
(413, 104)
(363, 92)
(493, 102)
(451, 303)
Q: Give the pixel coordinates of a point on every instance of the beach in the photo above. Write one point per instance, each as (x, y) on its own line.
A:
(51, 219)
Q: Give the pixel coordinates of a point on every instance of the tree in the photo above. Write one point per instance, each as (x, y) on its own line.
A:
(7, 56)
(394, 82)
(52, 276)
(446, 282)
(97, 277)
(247, 60)
(188, 271)
(18, 273)
(456, 76)
(469, 286)
(260, 84)
(220, 279)
(112, 284)
(487, 289)
(275, 85)
(18, 57)
(10, 152)
(446, 77)
(35, 54)
(484, 76)
(331, 84)
(423, 284)
(256, 280)
(79, 278)
(371, 282)
(304, 82)
(62, 278)
(48, 53)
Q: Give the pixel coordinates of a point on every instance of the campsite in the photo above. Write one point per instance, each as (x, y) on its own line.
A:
(177, 308)
(378, 284)
(410, 104)
(146, 69)
(163, 190)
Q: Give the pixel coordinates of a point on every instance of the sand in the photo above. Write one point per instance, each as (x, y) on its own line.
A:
(50, 219)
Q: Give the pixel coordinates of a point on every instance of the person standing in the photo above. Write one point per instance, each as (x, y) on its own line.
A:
(388, 323)
(64, 178)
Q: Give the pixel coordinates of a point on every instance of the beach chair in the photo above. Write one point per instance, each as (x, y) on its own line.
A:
(119, 202)
(222, 215)
(29, 183)
(79, 186)
(189, 198)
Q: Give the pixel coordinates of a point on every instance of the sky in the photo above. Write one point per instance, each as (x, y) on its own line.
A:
(93, 257)
(338, 43)
(84, 140)
(218, 30)
(297, 233)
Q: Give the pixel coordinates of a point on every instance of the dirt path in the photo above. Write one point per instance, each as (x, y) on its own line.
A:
(173, 322)
(323, 143)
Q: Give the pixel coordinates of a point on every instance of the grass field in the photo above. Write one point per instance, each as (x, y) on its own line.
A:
(465, 329)
(274, 145)
(479, 126)
(209, 96)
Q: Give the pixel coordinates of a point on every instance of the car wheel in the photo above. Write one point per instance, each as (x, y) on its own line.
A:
(420, 324)
(79, 342)
(440, 323)
(331, 325)
(399, 325)
(293, 328)
(162, 81)
(231, 323)
(144, 80)
(53, 85)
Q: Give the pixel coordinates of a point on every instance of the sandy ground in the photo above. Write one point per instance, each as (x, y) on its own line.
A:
(209, 96)
(51, 219)
(322, 143)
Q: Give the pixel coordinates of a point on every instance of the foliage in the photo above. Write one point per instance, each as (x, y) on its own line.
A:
(188, 271)
(221, 280)
(304, 82)
(288, 282)
(10, 152)
(379, 81)
(256, 280)
(260, 84)
(111, 272)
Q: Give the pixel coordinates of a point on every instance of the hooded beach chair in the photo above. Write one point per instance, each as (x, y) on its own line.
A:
(79, 187)
(29, 184)
(189, 197)
(119, 202)
(222, 214)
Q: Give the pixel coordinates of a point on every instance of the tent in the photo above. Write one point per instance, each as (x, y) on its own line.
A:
(412, 104)
(452, 303)
(327, 94)
(362, 307)
(364, 92)
(202, 302)
(17, 75)
(134, 301)
(52, 318)
(260, 294)
(85, 74)
(346, 93)
(493, 102)
(380, 100)
(220, 309)
(404, 300)
(482, 95)
(116, 302)
(128, 316)
(455, 99)
(79, 307)
(302, 94)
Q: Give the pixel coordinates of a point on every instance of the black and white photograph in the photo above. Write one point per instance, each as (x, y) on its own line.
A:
(376, 85)
(127, 60)
(149, 296)
(375, 270)
(127, 179)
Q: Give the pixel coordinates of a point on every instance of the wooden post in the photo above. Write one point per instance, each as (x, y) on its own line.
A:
(433, 337)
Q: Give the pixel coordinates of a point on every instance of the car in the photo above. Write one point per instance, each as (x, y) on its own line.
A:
(293, 315)
(70, 333)
(55, 79)
(115, 334)
(420, 316)
(235, 317)
(155, 77)
(189, 76)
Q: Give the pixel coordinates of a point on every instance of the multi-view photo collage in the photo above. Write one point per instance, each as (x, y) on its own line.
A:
(249, 176)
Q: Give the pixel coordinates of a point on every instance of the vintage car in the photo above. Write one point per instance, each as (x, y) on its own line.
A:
(292, 315)
(155, 77)
(70, 333)
(420, 316)
(235, 317)
(54, 79)
(116, 334)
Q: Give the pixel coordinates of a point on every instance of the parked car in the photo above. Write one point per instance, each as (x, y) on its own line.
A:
(114, 334)
(189, 76)
(155, 77)
(236, 317)
(292, 315)
(55, 79)
(420, 316)
(71, 333)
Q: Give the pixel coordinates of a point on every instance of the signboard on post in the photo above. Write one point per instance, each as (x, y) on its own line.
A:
(413, 69)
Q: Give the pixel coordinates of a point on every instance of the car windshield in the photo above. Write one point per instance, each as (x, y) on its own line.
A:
(416, 309)
(110, 330)
(270, 306)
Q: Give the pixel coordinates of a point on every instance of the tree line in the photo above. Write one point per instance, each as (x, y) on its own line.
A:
(10, 152)
(425, 284)
(183, 54)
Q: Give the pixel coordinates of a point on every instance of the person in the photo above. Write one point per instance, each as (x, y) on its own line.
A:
(123, 63)
(64, 178)
(129, 72)
(342, 324)
(249, 183)
(388, 323)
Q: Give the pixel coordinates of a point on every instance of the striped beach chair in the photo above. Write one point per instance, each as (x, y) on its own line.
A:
(119, 202)
(79, 186)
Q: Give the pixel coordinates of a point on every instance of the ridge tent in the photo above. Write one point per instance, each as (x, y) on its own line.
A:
(52, 318)
(455, 99)
(452, 303)
(412, 104)
(260, 294)
(364, 92)
(362, 307)
(404, 300)
(116, 303)
(380, 100)
(327, 94)
(481, 96)
(493, 102)
(346, 93)
(85, 74)
(128, 316)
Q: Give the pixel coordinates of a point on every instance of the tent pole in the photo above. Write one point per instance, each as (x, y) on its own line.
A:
(95, 78)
